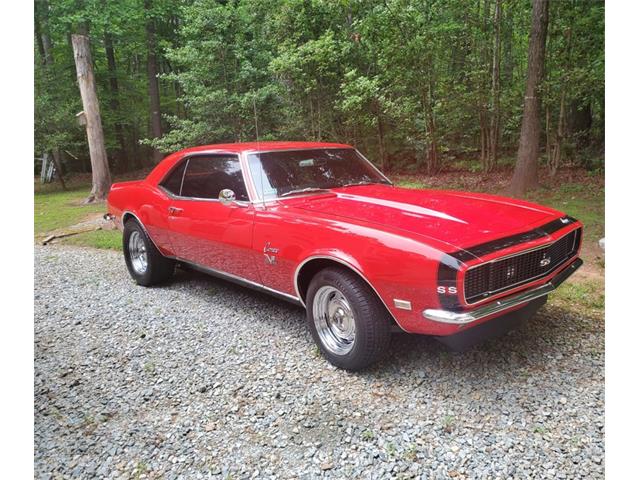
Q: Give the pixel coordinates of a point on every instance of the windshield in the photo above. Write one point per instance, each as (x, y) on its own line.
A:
(277, 174)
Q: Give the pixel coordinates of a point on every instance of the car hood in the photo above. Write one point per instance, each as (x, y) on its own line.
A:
(460, 219)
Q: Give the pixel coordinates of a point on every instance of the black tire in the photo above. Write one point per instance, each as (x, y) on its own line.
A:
(371, 318)
(158, 267)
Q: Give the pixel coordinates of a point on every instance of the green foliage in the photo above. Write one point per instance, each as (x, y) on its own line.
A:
(404, 79)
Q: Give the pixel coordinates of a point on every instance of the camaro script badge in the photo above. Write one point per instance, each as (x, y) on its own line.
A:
(268, 250)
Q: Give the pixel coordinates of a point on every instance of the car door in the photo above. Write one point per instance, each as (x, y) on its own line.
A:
(206, 232)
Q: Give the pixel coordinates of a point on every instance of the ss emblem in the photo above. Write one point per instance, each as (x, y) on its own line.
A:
(447, 290)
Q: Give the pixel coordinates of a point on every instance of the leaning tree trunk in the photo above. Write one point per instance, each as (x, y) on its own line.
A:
(525, 176)
(99, 164)
(154, 87)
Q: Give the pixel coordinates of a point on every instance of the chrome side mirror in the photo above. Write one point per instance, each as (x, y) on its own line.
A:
(227, 196)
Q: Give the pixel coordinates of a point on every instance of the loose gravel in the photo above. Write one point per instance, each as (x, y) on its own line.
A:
(204, 379)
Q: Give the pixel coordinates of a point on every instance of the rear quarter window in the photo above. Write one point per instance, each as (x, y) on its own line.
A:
(173, 182)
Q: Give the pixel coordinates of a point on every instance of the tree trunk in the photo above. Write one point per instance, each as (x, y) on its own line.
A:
(556, 157)
(134, 148)
(58, 164)
(101, 177)
(39, 41)
(434, 161)
(44, 47)
(383, 155)
(507, 49)
(430, 129)
(579, 119)
(43, 31)
(114, 103)
(561, 132)
(152, 76)
(495, 91)
(484, 157)
(525, 176)
(547, 130)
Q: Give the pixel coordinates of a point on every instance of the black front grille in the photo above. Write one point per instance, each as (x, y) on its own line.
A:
(494, 277)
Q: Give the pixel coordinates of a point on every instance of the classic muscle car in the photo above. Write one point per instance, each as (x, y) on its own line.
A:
(321, 226)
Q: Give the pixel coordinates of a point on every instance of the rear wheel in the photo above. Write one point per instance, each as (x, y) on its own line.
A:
(347, 319)
(146, 265)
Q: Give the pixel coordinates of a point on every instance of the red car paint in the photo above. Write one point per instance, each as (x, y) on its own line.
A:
(395, 238)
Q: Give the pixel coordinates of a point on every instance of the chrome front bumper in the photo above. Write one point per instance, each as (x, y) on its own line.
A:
(462, 318)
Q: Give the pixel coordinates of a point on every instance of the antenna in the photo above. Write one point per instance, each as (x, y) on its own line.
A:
(255, 116)
(255, 119)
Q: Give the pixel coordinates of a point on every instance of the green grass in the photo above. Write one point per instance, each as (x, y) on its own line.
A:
(55, 209)
(367, 435)
(61, 209)
(406, 183)
(103, 239)
(582, 201)
(587, 294)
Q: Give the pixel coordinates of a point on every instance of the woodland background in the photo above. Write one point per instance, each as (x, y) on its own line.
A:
(419, 86)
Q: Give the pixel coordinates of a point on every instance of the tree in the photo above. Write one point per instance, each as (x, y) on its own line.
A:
(114, 102)
(494, 129)
(152, 76)
(422, 85)
(101, 177)
(44, 47)
(525, 176)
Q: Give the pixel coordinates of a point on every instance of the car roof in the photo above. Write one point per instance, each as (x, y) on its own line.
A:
(168, 162)
(261, 146)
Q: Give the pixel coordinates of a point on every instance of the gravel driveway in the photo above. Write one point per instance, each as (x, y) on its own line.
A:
(201, 378)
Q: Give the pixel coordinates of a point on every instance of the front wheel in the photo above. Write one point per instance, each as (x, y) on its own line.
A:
(146, 265)
(347, 320)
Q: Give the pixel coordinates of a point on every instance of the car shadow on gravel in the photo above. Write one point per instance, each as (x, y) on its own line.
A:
(552, 334)
(233, 292)
(549, 336)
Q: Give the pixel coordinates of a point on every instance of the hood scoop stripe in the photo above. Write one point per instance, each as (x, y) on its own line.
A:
(403, 207)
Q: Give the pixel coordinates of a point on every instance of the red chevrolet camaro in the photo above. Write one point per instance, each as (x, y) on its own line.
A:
(319, 225)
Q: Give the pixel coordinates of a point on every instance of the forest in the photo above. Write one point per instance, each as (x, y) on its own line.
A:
(419, 86)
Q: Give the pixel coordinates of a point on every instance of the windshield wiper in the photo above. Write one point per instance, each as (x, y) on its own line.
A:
(303, 190)
(366, 182)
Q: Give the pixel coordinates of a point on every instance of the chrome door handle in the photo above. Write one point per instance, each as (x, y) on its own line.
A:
(175, 211)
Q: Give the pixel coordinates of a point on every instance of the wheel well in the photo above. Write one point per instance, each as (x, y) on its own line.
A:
(126, 217)
(309, 269)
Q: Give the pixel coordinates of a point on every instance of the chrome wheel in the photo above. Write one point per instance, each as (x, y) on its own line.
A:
(137, 253)
(334, 321)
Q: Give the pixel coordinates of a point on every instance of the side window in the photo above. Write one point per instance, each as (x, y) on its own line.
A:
(174, 181)
(207, 175)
